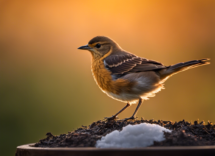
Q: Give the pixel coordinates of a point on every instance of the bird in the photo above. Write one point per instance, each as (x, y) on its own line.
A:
(126, 77)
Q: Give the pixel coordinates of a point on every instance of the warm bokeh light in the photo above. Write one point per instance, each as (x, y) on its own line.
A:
(46, 82)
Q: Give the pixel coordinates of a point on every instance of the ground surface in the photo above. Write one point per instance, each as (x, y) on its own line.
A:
(183, 134)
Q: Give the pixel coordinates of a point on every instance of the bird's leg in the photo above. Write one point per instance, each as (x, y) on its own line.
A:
(135, 112)
(114, 116)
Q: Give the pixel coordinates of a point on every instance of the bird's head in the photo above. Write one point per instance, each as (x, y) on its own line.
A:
(100, 46)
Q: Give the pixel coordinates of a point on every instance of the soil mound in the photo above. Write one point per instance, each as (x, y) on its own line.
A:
(183, 134)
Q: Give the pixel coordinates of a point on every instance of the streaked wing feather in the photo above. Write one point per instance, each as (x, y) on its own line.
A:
(146, 67)
(121, 64)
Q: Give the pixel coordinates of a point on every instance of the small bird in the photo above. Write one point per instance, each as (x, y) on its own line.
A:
(126, 77)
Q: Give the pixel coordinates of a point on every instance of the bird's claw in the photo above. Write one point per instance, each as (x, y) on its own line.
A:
(111, 118)
(131, 118)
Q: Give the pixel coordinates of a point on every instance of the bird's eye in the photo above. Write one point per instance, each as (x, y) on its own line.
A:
(98, 45)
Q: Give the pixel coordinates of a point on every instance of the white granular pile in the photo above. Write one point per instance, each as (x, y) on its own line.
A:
(133, 136)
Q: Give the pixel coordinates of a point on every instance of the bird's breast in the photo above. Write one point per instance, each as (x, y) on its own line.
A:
(104, 79)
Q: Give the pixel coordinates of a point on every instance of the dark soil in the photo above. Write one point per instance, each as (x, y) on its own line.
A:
(183, 134)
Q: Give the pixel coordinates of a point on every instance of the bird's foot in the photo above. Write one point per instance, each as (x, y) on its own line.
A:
(111, 118)
(131, 118)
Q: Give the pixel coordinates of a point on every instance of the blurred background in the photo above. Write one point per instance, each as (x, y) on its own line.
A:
(46, 84)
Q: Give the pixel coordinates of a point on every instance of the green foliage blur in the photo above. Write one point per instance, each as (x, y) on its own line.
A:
(46, 84)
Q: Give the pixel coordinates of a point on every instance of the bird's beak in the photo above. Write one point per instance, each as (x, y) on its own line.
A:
(85, 47)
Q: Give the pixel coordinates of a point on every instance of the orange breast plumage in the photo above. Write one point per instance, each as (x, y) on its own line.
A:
(104, 79)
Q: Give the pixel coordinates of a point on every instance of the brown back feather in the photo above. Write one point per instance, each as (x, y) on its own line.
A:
(124, 62)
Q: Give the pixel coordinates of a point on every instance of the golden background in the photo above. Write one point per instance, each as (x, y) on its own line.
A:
(46, 84)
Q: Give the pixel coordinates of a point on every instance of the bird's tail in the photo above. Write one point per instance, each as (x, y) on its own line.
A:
(176, 68)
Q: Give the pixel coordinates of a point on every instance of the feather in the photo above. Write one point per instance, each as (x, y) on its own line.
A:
(129, 63)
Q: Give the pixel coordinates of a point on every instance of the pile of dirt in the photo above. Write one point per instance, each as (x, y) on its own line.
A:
(183, 134)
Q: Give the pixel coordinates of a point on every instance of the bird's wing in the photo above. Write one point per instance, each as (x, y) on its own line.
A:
(129, 63)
